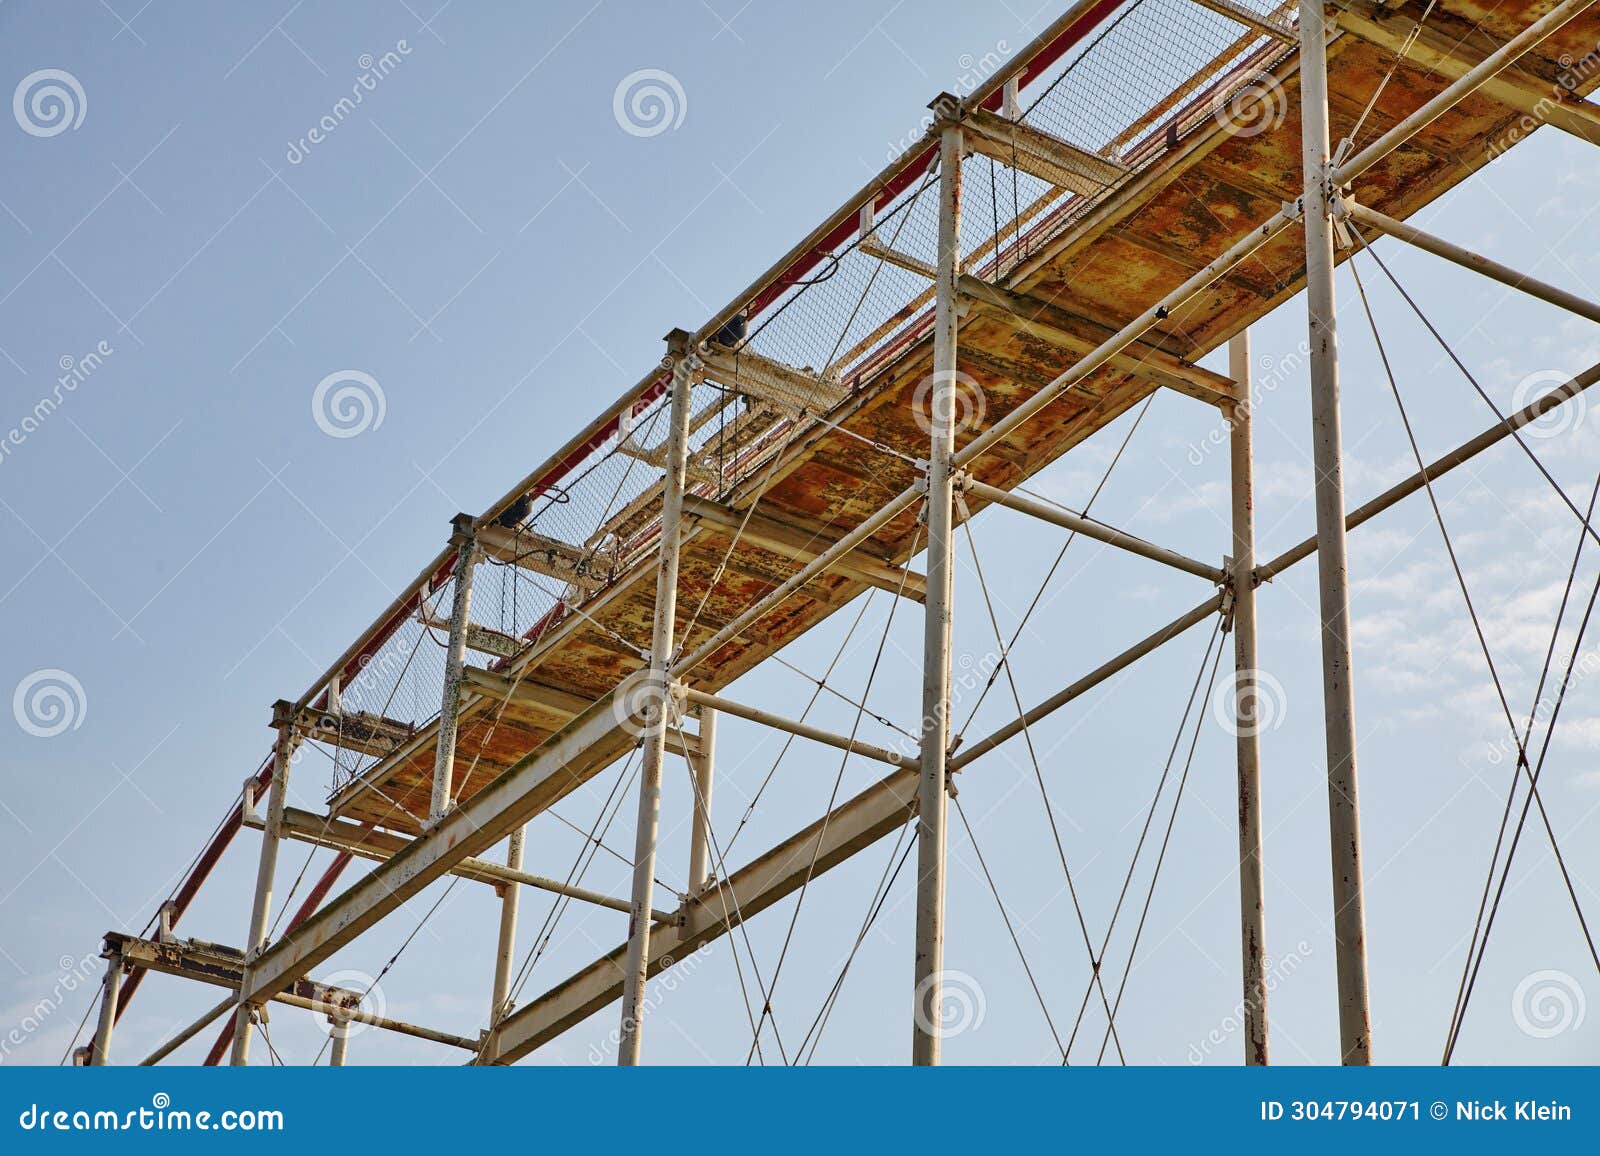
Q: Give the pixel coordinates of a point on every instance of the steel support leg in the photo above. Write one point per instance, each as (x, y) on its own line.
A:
(444, 755)
(703, 767)
(1252, 919)
(506, 949)
(339, 1034)
(110, 993)
(1344, 821)
(933, 799)
(657, 704)
(266, 867)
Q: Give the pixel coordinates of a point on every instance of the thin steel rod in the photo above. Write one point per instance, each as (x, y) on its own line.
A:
(444, 752)
(400, 1027)
(1087, 683)
(1467, 259)
(1247, 707)
(656, 707)
(188, 1033)
(799, 729)
(1438, 468)
(1333, 578)
(1089, 528)
(1497, 62)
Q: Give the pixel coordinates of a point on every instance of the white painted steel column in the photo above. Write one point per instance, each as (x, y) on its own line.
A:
(657, 704)
(1344, 818)
(933, 799)
(506, 949)
(1252, 916)
(266, 868)
(444, 753)
(110, 993)
(703, 767)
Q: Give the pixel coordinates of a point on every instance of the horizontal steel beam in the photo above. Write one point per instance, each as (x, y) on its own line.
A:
(1398, 32)
(1452, 95)
(1250, 18)
(586, 569)
(359, 731)
(1467, 259)
(804, 544)
(772, 381)
(1090, 528)
(1077, 335)
(798, 729)
(1040, 154)
(560, 765)
(380, 846)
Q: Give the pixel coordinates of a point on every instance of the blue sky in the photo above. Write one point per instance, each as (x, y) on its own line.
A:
(485, 241)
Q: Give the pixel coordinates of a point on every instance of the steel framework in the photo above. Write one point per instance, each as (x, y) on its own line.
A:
(752, 539)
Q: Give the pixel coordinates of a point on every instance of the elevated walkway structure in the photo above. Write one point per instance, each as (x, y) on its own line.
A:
(1129, 193)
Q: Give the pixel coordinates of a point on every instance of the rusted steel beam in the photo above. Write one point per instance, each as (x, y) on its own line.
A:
(1548, 102)
(539, 553)
(359, 731)
(798, 729)
(804, 544)
(761, 377)
(1040, 154)
(1076, 336)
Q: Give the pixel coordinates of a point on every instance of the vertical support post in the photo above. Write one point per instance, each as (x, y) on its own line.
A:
(339, 1034)
(703, 767)
(444, 755)
(266, 867)
(933, 798)
(1344, 822)
(1241, 576)
(657, 700)
(110, 993)
(506, 950)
